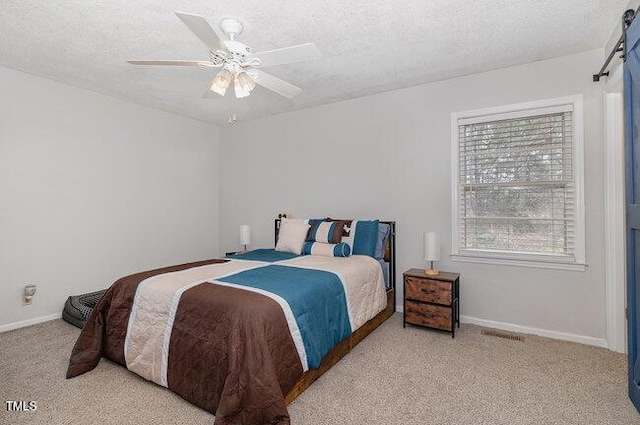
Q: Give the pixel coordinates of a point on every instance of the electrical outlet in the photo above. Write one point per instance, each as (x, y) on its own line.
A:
(29, 292)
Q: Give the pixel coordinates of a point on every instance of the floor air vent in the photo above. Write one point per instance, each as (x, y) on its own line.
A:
(501, 334)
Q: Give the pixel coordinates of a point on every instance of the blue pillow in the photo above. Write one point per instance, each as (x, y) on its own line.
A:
(383, 234)
(365, 237)
(326, 249)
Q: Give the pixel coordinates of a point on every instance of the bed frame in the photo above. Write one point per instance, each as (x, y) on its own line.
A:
(341, 350)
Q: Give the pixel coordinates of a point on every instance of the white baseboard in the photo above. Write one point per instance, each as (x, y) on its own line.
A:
(588, 340)
(34, 321)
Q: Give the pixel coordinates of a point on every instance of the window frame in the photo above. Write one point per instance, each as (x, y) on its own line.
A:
(546, 261)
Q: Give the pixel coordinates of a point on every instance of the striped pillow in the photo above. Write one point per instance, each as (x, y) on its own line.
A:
(325, 231)
(326, 249)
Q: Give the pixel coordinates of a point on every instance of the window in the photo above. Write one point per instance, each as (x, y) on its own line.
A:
(518, 185)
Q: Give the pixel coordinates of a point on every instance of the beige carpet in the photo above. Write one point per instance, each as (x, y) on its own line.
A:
(395, 376)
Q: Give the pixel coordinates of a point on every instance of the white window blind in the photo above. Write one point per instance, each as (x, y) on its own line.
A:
(516, 183)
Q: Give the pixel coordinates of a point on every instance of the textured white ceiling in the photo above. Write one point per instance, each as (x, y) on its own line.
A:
(367, 46)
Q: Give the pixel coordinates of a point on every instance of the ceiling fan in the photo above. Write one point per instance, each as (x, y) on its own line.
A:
(236, 61)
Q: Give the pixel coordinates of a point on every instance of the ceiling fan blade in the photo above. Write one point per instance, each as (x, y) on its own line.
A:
(174, 63)
(299, 53)
(201, 28)
(275, 84)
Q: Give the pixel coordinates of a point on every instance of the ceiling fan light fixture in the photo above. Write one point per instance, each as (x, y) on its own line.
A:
(221, 82)
(243, 85)
(241, 92)
(246, 80)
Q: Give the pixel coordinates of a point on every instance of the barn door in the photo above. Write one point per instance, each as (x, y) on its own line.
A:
(632, 152)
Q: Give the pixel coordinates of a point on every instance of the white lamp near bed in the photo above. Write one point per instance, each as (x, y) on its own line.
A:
(431, 251)
(245, 235)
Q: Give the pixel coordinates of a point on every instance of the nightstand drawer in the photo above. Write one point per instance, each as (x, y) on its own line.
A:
(432, 291)
(428, 315)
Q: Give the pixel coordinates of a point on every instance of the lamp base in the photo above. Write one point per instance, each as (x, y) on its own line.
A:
(431, 272)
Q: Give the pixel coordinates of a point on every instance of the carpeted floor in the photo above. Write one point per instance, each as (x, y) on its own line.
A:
(395, 376)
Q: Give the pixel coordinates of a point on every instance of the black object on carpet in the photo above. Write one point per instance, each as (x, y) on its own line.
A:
(77, 308)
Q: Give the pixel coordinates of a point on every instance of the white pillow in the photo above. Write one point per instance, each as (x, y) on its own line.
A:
(291, 236)
(300, 221)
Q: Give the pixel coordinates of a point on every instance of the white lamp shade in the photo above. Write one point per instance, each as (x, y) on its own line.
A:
(245, 234)
(432, 246)
(243, 84)
(221, 81)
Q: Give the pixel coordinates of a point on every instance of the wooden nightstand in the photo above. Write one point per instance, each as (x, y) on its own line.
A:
(432, 301)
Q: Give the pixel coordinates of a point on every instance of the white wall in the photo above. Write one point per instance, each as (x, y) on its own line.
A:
(93, 188)
(388, 156)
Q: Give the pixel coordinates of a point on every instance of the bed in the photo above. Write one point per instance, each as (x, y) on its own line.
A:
(239, 337)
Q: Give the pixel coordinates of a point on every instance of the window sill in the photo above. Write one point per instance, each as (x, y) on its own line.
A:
(519, 262)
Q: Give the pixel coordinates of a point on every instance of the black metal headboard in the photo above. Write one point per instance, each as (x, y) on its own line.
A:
(391, 245)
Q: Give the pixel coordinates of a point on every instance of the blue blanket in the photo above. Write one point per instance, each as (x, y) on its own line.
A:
(316, 298)
(267, 255)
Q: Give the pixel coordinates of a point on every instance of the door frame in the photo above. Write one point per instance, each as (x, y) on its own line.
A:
(614, 211)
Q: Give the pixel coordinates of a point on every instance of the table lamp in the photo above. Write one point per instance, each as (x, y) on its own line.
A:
(245, 235)
(431, 251)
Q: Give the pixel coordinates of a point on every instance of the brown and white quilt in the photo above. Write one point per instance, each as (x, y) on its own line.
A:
(232, 336)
